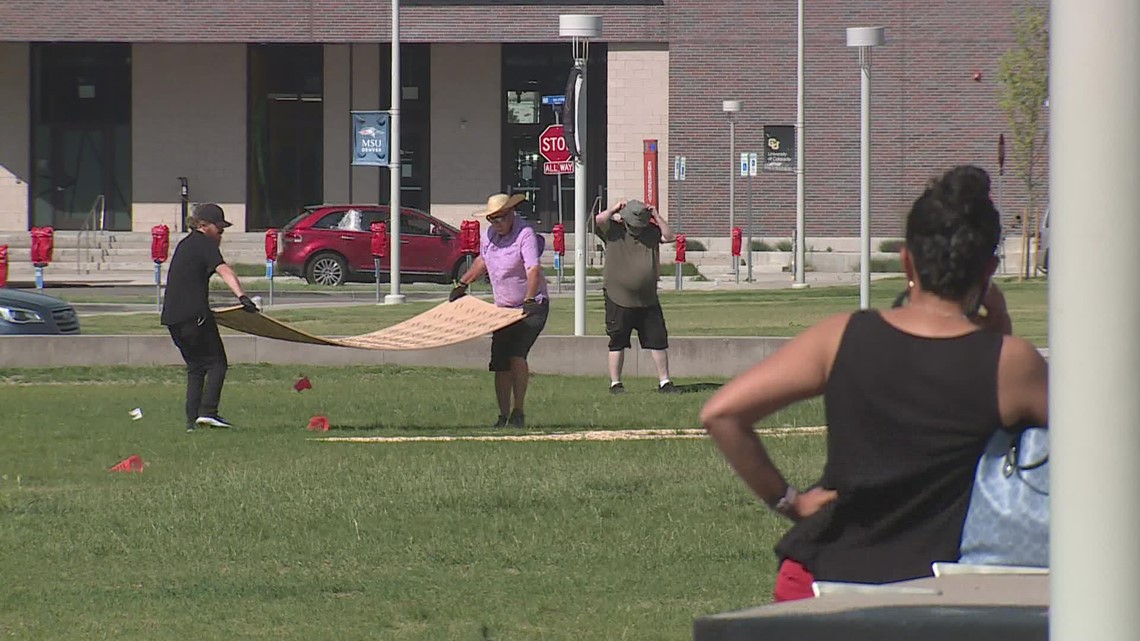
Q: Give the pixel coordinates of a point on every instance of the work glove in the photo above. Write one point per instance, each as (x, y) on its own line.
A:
(459, 291)
(247, 304)
(532, 307)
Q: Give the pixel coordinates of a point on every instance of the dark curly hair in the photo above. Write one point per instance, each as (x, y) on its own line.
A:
(952, 230)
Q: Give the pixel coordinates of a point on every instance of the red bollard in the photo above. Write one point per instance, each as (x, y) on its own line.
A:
(559, 232)
(271, 244)
(737, 240)
(682, 245)
(379, 240)
(3, 265)
(43, 244)
(159, 243)
(469, 237)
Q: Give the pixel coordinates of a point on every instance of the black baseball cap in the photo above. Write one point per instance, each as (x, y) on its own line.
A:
(211, 213)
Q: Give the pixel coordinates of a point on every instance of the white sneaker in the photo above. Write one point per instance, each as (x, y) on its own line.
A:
(213, 421)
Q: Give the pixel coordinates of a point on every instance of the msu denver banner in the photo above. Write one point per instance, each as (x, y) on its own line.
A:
(370, 138)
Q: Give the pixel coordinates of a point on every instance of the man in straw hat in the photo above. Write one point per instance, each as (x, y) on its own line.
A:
(633, 233)
(186, 313)
(509, 252)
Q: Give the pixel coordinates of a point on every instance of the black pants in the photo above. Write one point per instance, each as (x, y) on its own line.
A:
(206, 364)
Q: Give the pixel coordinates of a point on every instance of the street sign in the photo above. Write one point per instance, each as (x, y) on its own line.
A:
(555, 100)
(552, 146)
(684, 168)
(753, 162)
(744, 164)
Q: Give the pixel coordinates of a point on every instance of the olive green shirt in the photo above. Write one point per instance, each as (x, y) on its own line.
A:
(632, 264)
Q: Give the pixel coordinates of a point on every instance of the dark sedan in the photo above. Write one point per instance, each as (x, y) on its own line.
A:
(26, 313)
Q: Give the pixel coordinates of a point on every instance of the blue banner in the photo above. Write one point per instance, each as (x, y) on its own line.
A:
(371, 133)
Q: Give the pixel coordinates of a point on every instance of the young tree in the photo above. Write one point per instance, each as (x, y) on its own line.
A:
(1024, 75)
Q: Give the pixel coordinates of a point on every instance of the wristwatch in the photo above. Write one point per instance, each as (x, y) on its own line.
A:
(527, 301)
(787, 503)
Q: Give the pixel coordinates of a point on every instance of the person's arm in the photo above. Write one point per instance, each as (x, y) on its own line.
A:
(230, 278)
(997, 313)
(602, 220)
(1023, 384)
(667, 235)
(797, 371)
(475, 272)
(534, 276)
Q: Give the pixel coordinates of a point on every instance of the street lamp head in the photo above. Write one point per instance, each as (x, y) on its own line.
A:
(866, 36)
(731, 107)
(579, 26)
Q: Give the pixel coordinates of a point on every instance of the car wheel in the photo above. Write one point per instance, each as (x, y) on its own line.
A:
(327, 269)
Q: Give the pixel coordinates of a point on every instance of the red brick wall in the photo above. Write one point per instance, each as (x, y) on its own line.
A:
(927, 111)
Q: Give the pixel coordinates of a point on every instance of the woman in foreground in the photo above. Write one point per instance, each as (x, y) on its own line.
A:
(911, 395)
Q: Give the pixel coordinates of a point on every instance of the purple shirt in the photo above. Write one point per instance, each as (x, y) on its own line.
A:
(507, 258)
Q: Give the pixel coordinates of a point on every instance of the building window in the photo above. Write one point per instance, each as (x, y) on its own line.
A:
(530, 72)
(286, 133)
(81, 136)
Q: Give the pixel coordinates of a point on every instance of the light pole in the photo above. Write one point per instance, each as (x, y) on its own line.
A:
(1093, 357)
(395, 297)
(801, 242)
(865, 38)
(731, 108)
(580, 29)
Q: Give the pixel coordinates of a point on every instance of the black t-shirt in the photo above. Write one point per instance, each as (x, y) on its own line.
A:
(188, 280)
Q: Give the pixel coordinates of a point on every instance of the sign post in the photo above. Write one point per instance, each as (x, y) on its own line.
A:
(780, 157)
(679, 170)
(748, 189)
(752, 170)
(649, 155)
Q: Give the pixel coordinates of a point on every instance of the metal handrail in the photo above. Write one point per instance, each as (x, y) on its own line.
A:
(94, 222)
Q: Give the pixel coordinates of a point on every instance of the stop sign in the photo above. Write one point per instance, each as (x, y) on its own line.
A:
(552, 145)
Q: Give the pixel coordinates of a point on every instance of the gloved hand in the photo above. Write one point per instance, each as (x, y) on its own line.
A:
(247, 304)
(531, 307)
(459, 291)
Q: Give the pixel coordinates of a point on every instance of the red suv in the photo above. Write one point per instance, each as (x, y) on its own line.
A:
(331, 244)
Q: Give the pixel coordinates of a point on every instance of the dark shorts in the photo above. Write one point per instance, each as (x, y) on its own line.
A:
(648, 321)
(515, 341)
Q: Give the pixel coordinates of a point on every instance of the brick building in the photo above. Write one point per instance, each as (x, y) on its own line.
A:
(250, 101)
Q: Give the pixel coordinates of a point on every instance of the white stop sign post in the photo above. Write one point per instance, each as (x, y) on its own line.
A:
(552, 146)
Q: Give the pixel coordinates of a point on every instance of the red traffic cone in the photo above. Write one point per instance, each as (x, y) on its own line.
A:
(318, 424)
(132, 463)
(303, 384)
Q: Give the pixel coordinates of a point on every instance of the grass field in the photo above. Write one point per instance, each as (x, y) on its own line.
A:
(261, 533)
(688, 313)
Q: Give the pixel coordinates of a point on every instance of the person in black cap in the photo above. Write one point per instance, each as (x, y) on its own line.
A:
(186, 313)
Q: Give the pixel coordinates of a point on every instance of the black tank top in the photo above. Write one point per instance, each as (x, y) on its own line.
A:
(908, 417)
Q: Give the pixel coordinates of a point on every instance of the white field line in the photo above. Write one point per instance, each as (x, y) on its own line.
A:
(593, 435)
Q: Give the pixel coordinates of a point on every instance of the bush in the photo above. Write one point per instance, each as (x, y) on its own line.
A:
(785, 246)
(891, 265)
(761, 246)
(891, 246)
(695, 246)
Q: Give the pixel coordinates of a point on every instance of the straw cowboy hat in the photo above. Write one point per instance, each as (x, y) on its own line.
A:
(499, 203)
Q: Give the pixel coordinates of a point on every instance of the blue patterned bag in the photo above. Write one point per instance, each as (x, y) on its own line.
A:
(1008, 519)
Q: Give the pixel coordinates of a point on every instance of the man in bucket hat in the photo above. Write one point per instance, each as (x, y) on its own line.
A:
(509, 254)
(633, 233)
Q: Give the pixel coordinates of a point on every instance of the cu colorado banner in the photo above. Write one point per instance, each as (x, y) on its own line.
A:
(370, 135)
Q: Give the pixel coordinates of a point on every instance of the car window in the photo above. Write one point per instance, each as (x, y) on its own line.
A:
(348, 220)
(296, 219)
(416, 225)
(373, 216)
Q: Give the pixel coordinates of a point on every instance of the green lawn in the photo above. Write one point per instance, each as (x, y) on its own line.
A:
(688, 313)
(261, 533)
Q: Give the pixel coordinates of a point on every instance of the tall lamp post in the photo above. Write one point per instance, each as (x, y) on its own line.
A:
(865, 38)
(731, 108)
(801, 242)
(580, 29)
(395, 297)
